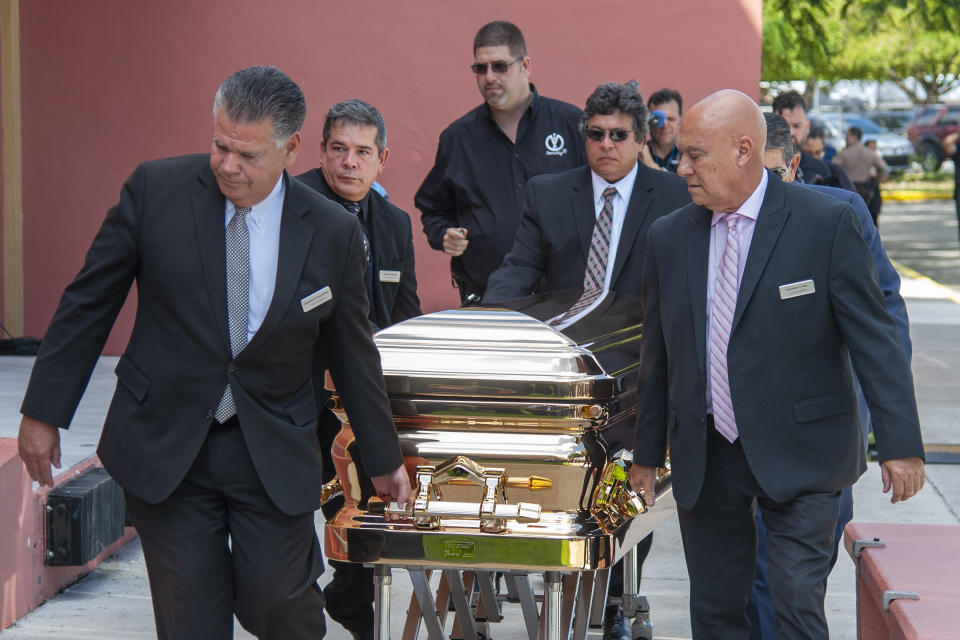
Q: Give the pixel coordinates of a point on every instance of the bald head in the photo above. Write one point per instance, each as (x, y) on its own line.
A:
(722, 139)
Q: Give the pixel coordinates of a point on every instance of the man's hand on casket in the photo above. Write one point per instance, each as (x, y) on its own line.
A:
(642, 480)
(396, 485)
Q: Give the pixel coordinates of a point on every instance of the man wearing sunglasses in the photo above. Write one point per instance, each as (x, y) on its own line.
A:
(586, 228)
(470, 201)
(561, 211)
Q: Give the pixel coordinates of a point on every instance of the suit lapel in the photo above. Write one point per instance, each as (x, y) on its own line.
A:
(208, 214)
(583, 210)
(637, 209)
(380, 239)
(698, 251)
(380, 242)
(773, 215)
(295, 236)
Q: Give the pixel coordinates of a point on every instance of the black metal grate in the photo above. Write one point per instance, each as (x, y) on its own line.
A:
(84, 517)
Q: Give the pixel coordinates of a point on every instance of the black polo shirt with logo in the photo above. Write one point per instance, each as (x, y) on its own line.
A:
(478, 178)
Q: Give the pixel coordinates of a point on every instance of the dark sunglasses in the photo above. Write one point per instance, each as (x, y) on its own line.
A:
(781, 172)
(616, 135)
(480, 68)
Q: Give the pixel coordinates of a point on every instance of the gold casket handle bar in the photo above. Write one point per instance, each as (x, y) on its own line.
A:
(521, 512)
(533, 483)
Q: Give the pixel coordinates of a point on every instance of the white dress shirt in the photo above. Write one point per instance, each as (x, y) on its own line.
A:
(263, 223)
(624, 187)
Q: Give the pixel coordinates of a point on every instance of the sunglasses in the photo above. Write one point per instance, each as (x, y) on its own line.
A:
(480, 68)
(616, 135)
(781, 172)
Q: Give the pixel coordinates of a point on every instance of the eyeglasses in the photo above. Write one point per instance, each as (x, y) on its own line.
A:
(480, 68)
(781, 172)
(616, 135)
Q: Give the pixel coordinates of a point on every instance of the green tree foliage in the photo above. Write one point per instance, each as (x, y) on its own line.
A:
(910, 42)
(795, 42)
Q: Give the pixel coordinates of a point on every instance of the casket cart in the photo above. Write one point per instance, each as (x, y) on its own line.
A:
(517, 439)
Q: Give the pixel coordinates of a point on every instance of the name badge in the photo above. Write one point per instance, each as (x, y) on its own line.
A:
(389, 276)
(316, 299)
(796, 289)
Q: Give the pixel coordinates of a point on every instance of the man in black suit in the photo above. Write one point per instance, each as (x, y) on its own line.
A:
(561, 210)
(353, 153)
(558, 235)
(244, 277)
(756, 298)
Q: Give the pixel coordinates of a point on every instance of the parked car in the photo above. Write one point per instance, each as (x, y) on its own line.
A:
(894, 119)
(928, 128)
(895, 149)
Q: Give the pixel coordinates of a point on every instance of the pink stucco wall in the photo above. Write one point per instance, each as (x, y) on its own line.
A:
(108, 84)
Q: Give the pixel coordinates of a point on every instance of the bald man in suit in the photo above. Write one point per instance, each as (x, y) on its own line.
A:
(753, 297)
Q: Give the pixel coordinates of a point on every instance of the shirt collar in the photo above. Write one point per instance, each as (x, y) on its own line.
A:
(259, 211)
(751, 206)
(624, 185)
(363, 202)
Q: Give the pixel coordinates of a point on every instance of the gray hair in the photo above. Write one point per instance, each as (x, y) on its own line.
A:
(252, 94)
(610, 97)
(778, 135)
(358, 112)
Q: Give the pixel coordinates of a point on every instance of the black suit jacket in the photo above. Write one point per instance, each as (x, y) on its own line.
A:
(391, 247)
(167, 233)
(553, 242)
(789, 368)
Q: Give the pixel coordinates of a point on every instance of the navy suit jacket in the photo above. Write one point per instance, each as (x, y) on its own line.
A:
(553, 242)
(789, 359)
(887, 276)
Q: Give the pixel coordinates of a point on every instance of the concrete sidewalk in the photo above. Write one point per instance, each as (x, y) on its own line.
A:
(113, 602)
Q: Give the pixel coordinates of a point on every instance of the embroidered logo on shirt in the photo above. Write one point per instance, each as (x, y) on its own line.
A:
(555, 144)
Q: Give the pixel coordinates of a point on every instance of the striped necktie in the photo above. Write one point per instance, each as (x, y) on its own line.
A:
(721, 323)
(596, 272)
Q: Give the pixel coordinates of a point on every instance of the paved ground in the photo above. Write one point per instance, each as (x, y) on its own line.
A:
(113, 602)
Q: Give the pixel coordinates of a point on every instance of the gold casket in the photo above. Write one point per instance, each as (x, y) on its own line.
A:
(516, 437)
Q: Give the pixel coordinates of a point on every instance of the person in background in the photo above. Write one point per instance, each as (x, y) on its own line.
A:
(470, 200)
(951, 148)
(780, 158)
(793, 108)
(663, 140)
(865, 167)
(815, 146)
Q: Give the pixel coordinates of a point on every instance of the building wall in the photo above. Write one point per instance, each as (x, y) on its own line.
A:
(107, 84)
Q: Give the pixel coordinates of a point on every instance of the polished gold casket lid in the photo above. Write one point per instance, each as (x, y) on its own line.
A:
(491, 353)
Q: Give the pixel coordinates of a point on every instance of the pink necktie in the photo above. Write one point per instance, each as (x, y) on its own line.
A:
(596, 272)
(721, 322)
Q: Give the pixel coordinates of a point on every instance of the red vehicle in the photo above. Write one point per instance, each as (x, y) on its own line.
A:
(931, 125)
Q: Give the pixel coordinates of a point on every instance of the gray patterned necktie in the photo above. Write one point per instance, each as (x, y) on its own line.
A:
(238, 294)
(596, 272)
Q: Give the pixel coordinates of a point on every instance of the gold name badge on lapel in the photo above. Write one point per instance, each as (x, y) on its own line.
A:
(316, 299)
(796, 289)
(389, 276)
